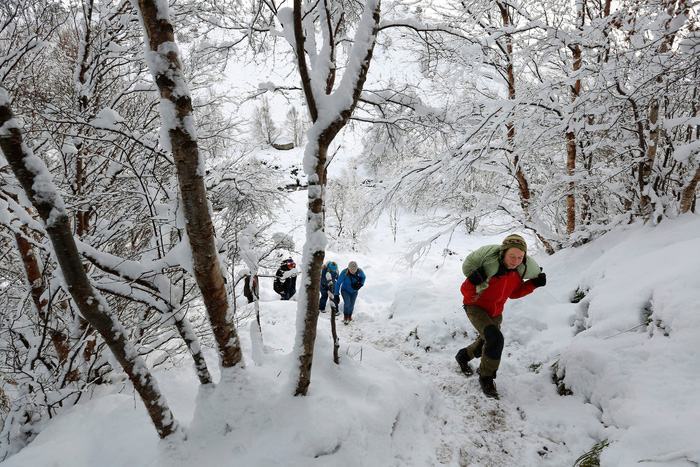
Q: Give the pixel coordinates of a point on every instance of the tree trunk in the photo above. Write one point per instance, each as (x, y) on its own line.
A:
(334, 331)
(312, 271)
(184, 328)
(33, 175)
(570, 135)
(176, 109)
(37, 286)
(646, 166)
(82, 216)
(523, 186)
(32, 271)
(317, 148)
(689, 192)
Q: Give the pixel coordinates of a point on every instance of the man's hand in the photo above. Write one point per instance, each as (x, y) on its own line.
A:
(540, 280)
(477, 277)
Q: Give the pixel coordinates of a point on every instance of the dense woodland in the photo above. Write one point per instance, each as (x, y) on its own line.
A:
(131, 200)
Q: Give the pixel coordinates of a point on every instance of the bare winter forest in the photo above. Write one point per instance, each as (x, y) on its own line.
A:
(133, 206)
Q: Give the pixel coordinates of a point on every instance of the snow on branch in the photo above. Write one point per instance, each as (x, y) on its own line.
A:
(36, 181)
(349, 90)
(180, 136)
(418, 26)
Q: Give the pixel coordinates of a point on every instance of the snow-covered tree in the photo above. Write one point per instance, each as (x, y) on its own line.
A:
(87, 106)
(180, 136)
(36, 181)
(314, 31)
(557, 108)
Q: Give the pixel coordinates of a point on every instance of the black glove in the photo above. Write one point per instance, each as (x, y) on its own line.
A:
(540, 280)
(356, 285)
(477, 277)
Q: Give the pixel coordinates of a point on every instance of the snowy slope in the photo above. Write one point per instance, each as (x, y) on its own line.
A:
(638, 359)
(397, 398)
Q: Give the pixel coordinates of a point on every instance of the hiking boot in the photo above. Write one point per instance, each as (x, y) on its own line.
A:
(488, 387)
(463, 360)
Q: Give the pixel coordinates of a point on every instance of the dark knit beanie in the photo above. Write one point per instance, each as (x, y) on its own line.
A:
(514, 241)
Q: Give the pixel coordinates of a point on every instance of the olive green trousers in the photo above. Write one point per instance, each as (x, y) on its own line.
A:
(489, 344)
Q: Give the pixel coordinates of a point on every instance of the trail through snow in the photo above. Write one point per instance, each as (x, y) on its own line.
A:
(398, 399)
(415, 314)
(475, 430)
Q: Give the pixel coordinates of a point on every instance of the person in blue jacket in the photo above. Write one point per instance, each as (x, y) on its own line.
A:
(349, 283)
(329, 276)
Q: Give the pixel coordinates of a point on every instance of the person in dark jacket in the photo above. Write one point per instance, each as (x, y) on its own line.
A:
(329, 276)
(494, 274)
(285, 282)
(251, 290)
(349, 283)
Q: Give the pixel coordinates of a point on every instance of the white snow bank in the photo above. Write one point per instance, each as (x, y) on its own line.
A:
(367, 411)
(638, 359)
(351, 416)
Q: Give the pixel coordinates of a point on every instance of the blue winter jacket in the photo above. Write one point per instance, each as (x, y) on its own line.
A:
(349, 282)
(325, 283)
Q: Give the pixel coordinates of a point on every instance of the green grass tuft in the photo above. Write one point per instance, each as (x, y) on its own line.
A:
(578, 295)
(592, 457)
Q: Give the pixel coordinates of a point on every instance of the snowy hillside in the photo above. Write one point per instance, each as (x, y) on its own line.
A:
(628, 350)
(161, 159)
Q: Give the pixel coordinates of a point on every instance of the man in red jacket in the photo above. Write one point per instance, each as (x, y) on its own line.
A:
(494, 273)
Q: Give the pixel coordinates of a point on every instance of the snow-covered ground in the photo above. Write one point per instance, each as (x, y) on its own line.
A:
(629, 351)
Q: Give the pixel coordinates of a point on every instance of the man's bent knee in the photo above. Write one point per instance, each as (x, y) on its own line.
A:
(494, 342)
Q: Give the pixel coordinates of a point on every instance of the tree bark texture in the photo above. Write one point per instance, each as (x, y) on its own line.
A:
(92, 306)
(690, 192)
(646, 166)
(523, 186)
(190, 173)
(37, 285)
(312, 278)
(570, 134)
(300, 50)
(82, 216)
(33, 273)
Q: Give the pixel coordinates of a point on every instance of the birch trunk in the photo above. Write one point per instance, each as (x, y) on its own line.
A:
(178, 119)
(36, 182)
(646, 166)
(326, 127)
(690, 192)
(570, 134)
(523, 186)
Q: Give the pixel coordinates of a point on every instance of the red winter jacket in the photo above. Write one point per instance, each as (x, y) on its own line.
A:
(500, 288)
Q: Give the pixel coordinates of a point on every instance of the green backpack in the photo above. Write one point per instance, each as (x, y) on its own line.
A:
(489, 258)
